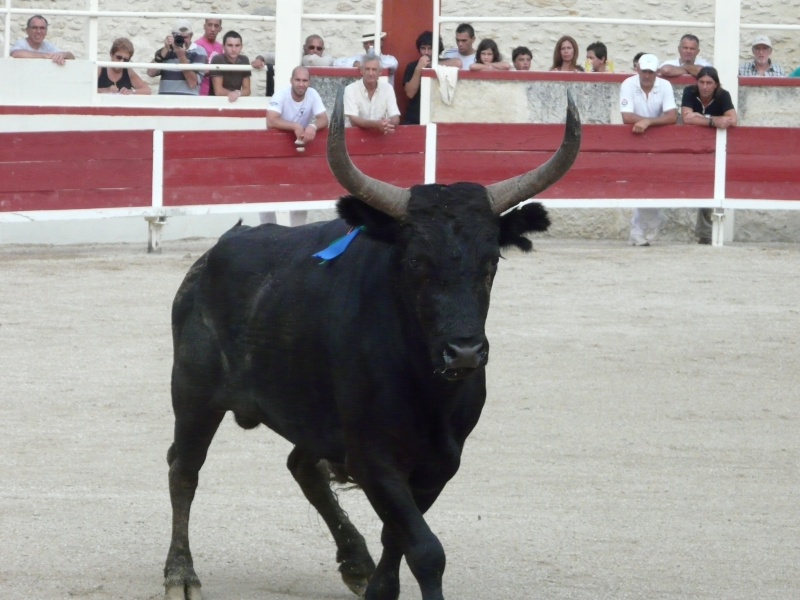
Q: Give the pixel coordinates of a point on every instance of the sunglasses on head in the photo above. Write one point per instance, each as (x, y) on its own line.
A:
(122, 58)
(316, 47)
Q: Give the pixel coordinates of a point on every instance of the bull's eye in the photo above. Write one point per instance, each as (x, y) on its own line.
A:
(414, 264)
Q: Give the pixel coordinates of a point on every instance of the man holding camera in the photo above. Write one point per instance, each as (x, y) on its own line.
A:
(178, 49)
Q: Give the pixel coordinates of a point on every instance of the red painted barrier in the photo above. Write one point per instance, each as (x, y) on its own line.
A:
(232, 167)
(113, 169)
(75, 170)
(763, 163)
(664, 162)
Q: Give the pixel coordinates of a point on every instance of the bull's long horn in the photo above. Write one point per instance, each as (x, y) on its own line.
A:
(507, 194)
(378, 194)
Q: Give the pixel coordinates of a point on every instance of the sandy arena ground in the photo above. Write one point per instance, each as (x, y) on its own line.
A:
(641, 438)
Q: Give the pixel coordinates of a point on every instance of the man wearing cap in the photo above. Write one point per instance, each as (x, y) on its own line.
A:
(646, 101)
(370, 103)
(688, 61)
(368, 43)
(35, 46)
(761, 65)
(178, 49)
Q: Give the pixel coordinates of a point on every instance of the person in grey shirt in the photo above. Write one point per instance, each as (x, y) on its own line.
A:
(178, 49)
(35, 46)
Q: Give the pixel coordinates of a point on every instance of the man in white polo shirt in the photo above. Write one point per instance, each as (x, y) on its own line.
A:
(647, 101)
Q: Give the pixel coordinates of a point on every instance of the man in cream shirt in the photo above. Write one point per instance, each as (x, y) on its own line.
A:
(370, 103)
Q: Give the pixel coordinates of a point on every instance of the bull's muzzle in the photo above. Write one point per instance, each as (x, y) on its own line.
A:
(462, 360)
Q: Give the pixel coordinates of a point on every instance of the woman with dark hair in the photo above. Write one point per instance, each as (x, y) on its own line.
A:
(488, 58)
(708, 105)
(113, 80)
(565, 55)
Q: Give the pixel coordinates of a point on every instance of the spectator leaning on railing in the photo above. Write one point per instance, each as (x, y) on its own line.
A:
(35, 46)
(688, 61)
(120, 80)
(706, 104)
(233, 84)
(646, 101)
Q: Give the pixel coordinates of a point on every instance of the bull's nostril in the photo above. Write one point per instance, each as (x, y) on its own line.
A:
(464, 357)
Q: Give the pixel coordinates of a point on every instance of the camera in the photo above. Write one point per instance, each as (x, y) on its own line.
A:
(178, 40)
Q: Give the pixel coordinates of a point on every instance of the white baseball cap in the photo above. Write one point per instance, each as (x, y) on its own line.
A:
(648, 62)
(762, 39)
(182, 25)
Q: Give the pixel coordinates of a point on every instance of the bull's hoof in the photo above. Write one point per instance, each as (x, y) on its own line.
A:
(356, 583)
(183, 592)
(356, 575)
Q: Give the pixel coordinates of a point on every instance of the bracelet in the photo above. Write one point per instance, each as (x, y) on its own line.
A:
(313, 125)
(710, 121)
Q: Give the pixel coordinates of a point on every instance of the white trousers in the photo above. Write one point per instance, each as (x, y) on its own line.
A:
(296, 217)
(646, 222)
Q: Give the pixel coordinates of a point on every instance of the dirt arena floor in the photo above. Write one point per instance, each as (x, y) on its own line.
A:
(641, 438)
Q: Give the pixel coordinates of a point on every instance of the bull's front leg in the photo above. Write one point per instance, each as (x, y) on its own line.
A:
(355, 563)
(405, 533)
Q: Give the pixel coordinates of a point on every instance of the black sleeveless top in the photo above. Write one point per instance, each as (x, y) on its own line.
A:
(124, 82)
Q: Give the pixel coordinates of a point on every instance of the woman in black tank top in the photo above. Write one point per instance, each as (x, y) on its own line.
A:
(120, 80)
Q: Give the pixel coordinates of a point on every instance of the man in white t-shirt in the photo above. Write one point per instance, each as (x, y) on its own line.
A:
(688, 61)
(647, 101)
(463, 55)
(370, 103)
(35, 46)
(299, 109)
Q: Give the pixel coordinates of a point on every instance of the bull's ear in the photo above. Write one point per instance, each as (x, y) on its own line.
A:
(378, 224)
(515, 224)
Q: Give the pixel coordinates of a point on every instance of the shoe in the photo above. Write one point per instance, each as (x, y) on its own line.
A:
(705, 241)
(638, 240)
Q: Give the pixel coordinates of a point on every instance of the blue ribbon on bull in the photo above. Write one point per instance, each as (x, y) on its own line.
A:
(337, 247)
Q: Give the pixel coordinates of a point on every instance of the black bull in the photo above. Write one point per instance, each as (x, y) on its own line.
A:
(371, 364)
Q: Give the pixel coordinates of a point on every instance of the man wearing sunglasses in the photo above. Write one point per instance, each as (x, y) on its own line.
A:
(35, 46)
(314, 53)
(178, 49)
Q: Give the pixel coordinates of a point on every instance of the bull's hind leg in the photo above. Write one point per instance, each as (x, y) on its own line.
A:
(186, 455)
(355, 563)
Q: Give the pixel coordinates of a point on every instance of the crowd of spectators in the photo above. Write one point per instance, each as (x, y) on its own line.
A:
(646, 98)
(179, 48)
